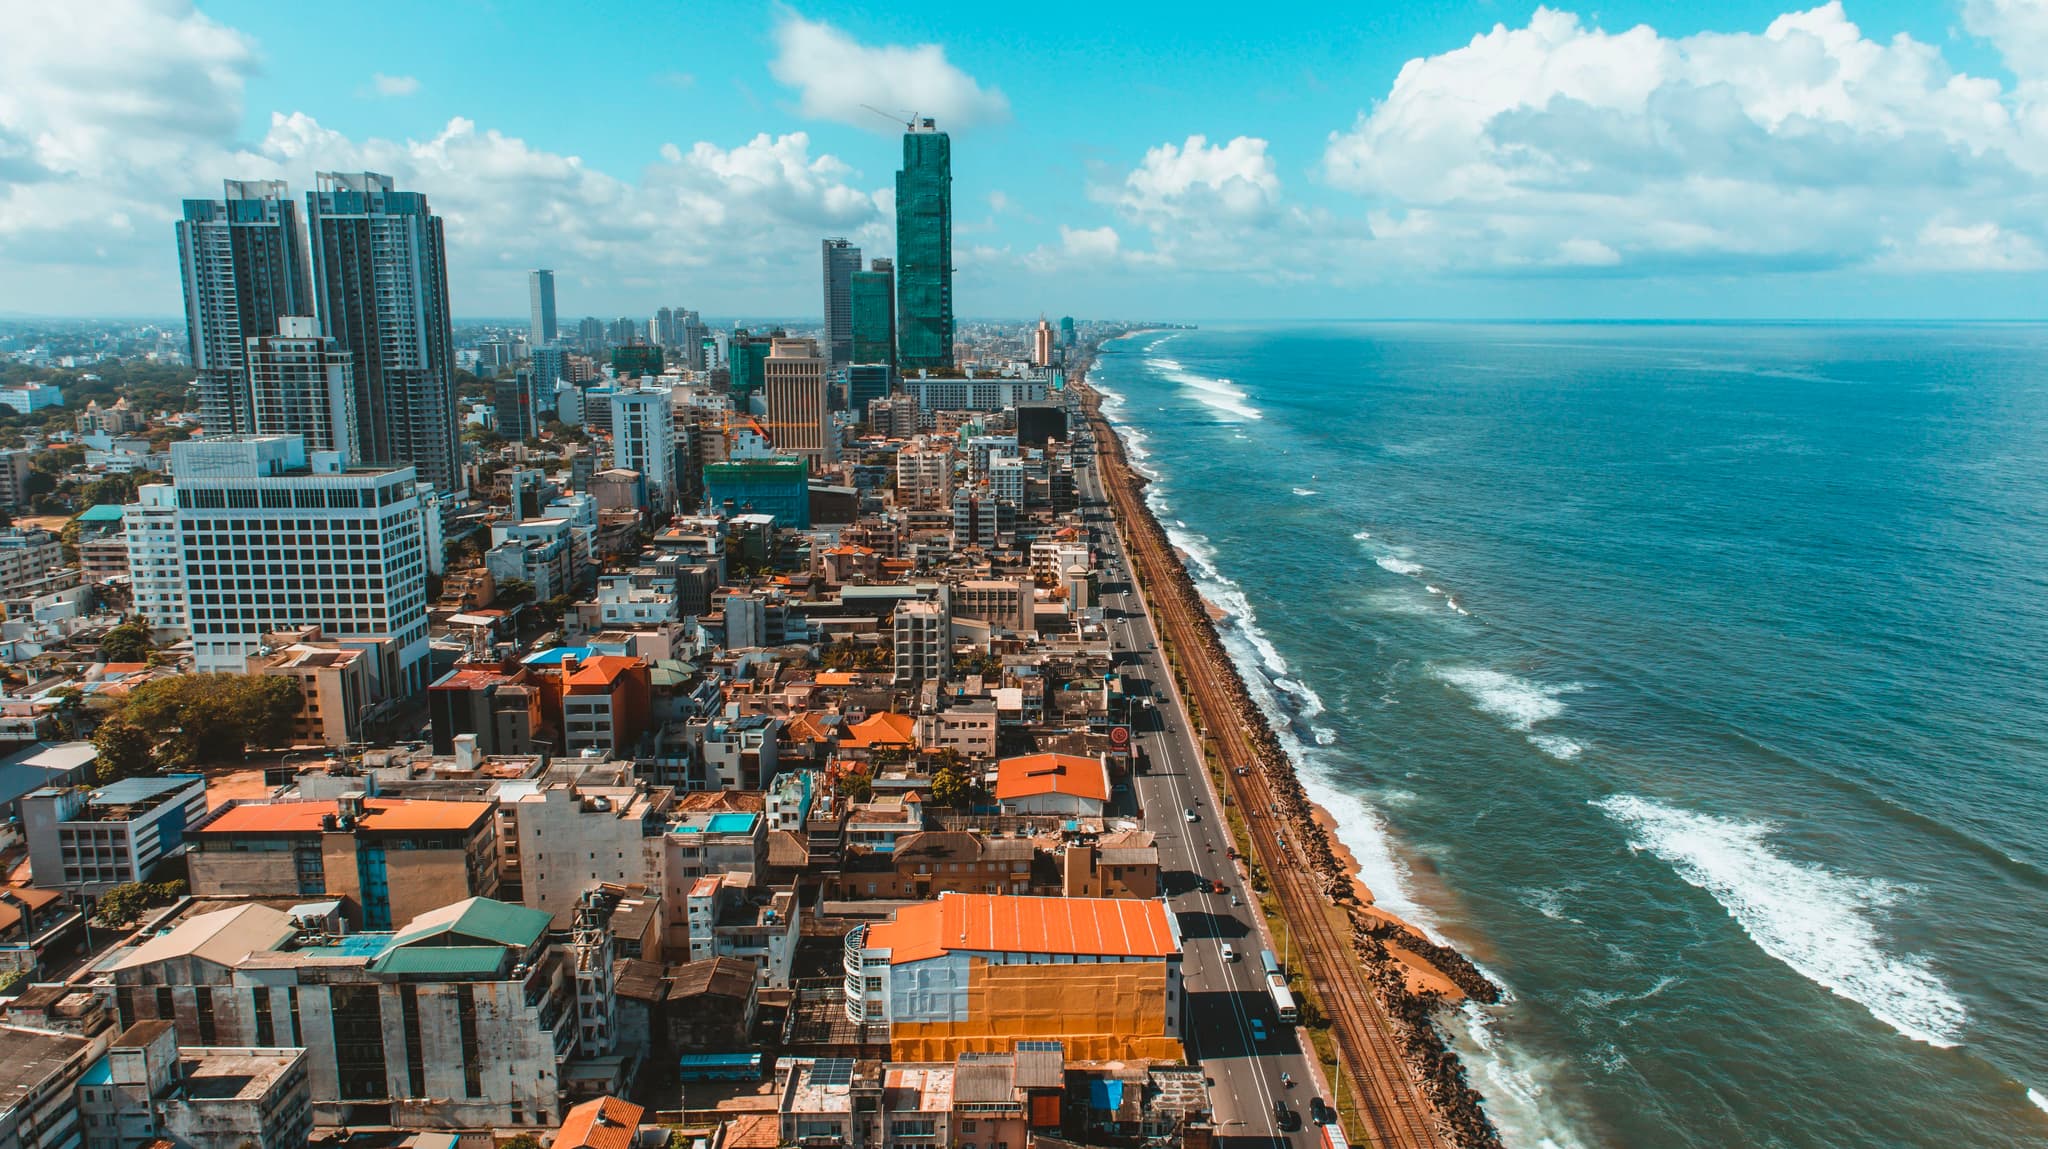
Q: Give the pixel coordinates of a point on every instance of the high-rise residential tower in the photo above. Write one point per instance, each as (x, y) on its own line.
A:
(380, 273)
(540, 286)
(873, 303)
(644, 439)
(243, 260)
(924, 249)
(302, 383)
(842, 263)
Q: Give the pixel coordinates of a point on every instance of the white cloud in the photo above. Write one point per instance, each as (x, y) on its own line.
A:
(1808, 145)
(1235, 179)
(835, 75)
(96, 154)
(384, 85)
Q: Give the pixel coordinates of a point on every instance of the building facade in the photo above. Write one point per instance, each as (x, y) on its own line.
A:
(302, 383)
(842, 261)
(799, 417)
(380, 275)
(90, 840)
(540, 290)
(924, 249)
(872, 306)
(242, 259)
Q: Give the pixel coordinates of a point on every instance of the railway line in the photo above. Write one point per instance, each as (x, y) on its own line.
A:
(1392, 1107)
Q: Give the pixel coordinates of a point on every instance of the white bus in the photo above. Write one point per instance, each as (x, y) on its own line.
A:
(1283, 1001)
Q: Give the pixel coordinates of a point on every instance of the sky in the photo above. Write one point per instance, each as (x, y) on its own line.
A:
(1645, 159)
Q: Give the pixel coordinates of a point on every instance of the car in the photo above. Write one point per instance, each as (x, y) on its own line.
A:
(1218, 887)
(1229, 953)
(1320, 1113)
(1258, 1030)
(1233, 900)
(1192, 816)
(1286, 1119)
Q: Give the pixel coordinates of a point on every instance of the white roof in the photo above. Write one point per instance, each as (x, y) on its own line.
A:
(222, 937)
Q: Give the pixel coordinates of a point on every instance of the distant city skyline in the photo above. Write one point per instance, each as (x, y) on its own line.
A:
(1868, 158)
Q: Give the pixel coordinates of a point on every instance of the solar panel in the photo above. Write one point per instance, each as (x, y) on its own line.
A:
(1041, 1047)
(832, 1071)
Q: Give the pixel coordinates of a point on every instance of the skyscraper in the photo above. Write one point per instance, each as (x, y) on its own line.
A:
(1041, 344)
(799, 420)
(1067, 331)
(302, 383)
(244, 265)
(842, 263)
(540, 285)
(644, 439)
(521, 402)
(663, 329)
(380, 274)
(873, 304)
(924, 249)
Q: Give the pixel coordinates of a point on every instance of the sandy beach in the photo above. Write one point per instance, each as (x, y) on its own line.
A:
(1420, 975)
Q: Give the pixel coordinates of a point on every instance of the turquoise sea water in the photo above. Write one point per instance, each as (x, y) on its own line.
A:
(1694, 679)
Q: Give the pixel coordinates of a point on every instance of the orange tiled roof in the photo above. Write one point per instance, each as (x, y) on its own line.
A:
(885, 729)
(836, 678)
(1003, 923)
(582, 1129)
(602, 669)
(804, 727)
(387, 814)
(1034, 774)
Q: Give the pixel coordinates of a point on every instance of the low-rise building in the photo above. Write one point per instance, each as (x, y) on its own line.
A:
(204, 1097)
(1055, 784)
(336, 688)
(39, 1087)
(604, 703)
(391, 859)
(578, 826)
(90, 840)
(977, 972)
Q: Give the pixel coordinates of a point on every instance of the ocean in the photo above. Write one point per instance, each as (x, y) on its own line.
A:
(1689, 678)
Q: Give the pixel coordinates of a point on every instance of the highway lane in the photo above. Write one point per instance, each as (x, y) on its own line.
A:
(1223, 998)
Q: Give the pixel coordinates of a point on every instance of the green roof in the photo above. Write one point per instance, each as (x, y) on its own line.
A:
(476, 921)
(440, 960)
(99, 513)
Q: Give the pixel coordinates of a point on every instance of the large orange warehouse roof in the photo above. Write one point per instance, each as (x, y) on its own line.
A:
(1004, 923)
(385, 814)
(1034, 774)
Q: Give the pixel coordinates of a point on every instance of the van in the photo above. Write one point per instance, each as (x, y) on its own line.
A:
(1229, 954)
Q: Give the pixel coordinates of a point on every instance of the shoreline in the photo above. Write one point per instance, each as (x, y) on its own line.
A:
(1411, 977)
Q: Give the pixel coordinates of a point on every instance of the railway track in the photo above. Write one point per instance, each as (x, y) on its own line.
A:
(1393, 1108)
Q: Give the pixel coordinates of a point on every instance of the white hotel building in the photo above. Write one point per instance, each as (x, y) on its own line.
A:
(253, 535)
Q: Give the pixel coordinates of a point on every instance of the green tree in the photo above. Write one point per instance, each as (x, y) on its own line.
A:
(215, 717)
(12, 980)
(128, 642)
(513, 591)
(125, 750)
(122, 906)
(858, 785)
(949, 788)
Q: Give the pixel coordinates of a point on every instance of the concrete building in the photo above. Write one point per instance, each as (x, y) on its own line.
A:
(644, 438)
(28, 557)
(243, 265)
(604, 704)
(39, 1087)
(463, 1018)
(974, 973)
(90, 840)
(498, 710)
(842, 263)
(15, 465)
(521, 403)
(205, 1097)
(799, 415)
(775, 485)
(255, 536)
(924, 475)
(540, 290)
(303, 383)
(736, 753)
(380, 277)
(922, 634)
(335, 684)
(1006, 603)
(101, 543)
(580, 825)
(981, 394)
(1041, 344)
(391, 859)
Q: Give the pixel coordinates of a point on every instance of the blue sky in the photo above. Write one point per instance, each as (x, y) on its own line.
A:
(1360, 160)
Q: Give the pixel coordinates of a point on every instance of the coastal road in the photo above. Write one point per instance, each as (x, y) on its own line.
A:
(1223, 998)
(1389, 1104)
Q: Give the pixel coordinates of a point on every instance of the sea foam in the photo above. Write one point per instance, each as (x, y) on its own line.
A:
(1399, 566)
(1520, 703)
(1823, 924)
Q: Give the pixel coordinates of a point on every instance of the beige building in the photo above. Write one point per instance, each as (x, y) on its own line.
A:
(799, 418)
(924, 475)
(578, 826)
(1005, 603)
(335, 687)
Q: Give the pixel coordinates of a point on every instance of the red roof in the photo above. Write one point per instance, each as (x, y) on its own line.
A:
(1003, 923)
(603, 669)
(606, 1123)
(884, 729)
(1035, 774)
(387, 814)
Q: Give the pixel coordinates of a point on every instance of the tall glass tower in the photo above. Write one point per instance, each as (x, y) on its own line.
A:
(872, 303)
(243, 261)
(842, 261)
(540, 287)
(380, 272)
(924, 249)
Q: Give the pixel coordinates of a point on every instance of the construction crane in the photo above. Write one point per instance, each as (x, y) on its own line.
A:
(896, 117)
